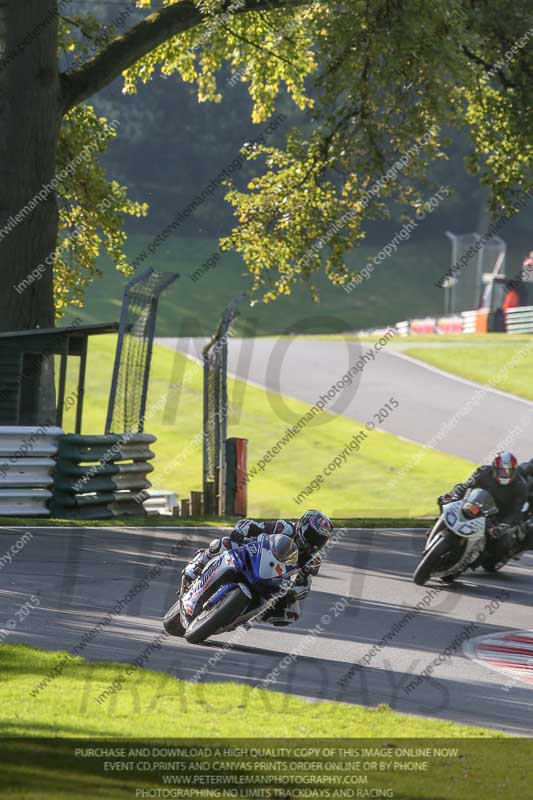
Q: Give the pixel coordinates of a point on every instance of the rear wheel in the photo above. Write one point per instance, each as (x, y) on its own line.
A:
(491, 563)
(220, 616)
(430, 561)
(172, 620)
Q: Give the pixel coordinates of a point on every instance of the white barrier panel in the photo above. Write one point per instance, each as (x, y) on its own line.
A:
(27, 472)
(403, 328)
(160, 502)
(29, 442)
(24, 502)
(469, 321)
(26, 469)
(519, 320)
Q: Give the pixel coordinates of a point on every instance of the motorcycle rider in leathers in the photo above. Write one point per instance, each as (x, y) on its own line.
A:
(526, 471)
(502, 479)
(310, 533)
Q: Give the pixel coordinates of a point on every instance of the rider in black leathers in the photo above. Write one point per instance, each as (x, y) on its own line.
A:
(526, 471)
(310, 533)
(506, 534)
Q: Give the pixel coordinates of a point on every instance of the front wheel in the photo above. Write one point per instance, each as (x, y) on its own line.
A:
(429, 562)
(172, 620)
(220, 616)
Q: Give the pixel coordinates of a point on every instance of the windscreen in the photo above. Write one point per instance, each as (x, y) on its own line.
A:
(284, 549)
(479, 502)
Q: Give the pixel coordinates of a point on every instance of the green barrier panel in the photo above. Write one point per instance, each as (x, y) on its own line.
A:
(92, 480)
(117, 468)
(102, 484)
(126, 452)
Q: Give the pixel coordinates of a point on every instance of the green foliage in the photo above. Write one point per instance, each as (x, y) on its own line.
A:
(382, 83)
(91, 207)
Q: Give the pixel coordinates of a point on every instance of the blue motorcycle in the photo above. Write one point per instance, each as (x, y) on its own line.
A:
(234, 588)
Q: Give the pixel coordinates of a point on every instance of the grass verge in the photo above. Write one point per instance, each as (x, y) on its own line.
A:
(201, 522)
(509, 366)
(154, 704)
(158, 707)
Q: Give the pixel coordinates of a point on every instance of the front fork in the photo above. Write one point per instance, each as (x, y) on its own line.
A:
(185, 584)
(437, 526)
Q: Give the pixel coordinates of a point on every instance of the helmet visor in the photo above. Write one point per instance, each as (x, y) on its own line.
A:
(504, 475)
(316, 538)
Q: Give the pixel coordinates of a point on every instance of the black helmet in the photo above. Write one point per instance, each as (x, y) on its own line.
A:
(313, 530)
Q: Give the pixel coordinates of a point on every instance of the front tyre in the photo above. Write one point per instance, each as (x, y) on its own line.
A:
(220, 616)
(430, 561)
(172, 620)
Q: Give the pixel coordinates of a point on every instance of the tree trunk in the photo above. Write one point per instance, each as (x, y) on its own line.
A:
(29, 127)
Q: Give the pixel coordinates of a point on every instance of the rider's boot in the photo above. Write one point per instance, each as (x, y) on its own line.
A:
(528, 534)
(522, 539)
(195, 568)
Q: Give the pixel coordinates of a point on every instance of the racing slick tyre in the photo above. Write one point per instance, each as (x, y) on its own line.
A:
(216, 617)
(429, 562)
(172, 620)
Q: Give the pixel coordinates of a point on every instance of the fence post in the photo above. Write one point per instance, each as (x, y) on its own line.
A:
(236, 494)
(215, 412)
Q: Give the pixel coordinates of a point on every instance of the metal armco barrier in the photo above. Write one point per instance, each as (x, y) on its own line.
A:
(519, 320)
(27, 461)
(98, 477)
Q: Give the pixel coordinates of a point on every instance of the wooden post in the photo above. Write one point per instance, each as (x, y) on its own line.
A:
(185, 508)
(209, 499)
(197, 504)
(236, 499)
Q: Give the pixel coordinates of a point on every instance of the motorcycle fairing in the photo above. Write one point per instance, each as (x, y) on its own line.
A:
(471, 531)
(215, 570)
(260, 568)
(253, 567)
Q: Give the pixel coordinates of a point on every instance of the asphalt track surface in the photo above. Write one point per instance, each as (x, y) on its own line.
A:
(469, 420)
(81, 574)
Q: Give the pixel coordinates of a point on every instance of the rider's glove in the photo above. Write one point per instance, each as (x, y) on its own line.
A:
(238, 537)
(445, 498)
(301, 587)
(299, 593)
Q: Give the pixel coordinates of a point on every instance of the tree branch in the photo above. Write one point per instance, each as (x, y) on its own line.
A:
(490, 69)
(127, 49)
(257, 46)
